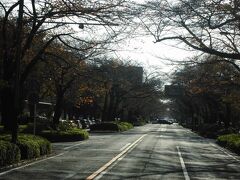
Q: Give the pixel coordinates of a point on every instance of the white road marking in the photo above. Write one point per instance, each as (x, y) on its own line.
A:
(70, 175)
(125, 146)
(69, 147)
(161, 129)
(114, 160)
(30, 164)
(185, 173)
(221, 149)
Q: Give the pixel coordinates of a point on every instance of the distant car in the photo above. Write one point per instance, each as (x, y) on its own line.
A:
(161, 121)
(172, 120)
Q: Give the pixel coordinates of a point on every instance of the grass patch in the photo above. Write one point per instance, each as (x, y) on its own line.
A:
(230, 141)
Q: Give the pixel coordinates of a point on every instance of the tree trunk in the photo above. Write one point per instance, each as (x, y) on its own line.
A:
(227, 118)
(110, 116)
(9, 113)
(115, 107)
(105, 108)
(8, 110)
(31, 111)
(58, 110)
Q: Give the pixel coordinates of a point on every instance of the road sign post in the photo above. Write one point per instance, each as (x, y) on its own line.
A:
(33, 100)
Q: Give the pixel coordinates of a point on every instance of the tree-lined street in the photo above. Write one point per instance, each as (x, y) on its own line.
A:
(151, 152)
(71, 97)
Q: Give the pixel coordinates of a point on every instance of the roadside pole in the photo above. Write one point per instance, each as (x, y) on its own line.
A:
(34, 119)
(33, 100)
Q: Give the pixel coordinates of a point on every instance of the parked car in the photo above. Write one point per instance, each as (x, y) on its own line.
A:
(98, 121)
(85, 124)
(79, 125)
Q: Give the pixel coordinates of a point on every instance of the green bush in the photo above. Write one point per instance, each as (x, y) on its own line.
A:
(33, 146)
(231, 141)
(44, 144)
(30, 146)
(9, 153)
(106, 126)
(124, 126)
(45, 124)
(139, 123)
(62, 136)
(22, 128)
(111, 126)
(66, 125)
(29, 149)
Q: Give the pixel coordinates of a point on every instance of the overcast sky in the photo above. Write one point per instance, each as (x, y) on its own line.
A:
(144, 50)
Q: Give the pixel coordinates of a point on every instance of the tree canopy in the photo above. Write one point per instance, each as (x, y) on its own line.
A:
(208, 26)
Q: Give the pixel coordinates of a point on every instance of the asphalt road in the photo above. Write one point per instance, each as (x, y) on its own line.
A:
(150, 152)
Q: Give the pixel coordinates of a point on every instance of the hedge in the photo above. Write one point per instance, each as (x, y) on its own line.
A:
(9, 153)
(111, 126)
(45, 126)
(230, 141)
(106, 126)
(124, 126)
(31, 146)
(213, 130)
(63, 136)
(139, 123)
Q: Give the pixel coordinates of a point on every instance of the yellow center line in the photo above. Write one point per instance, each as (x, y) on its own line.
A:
(104, 167)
